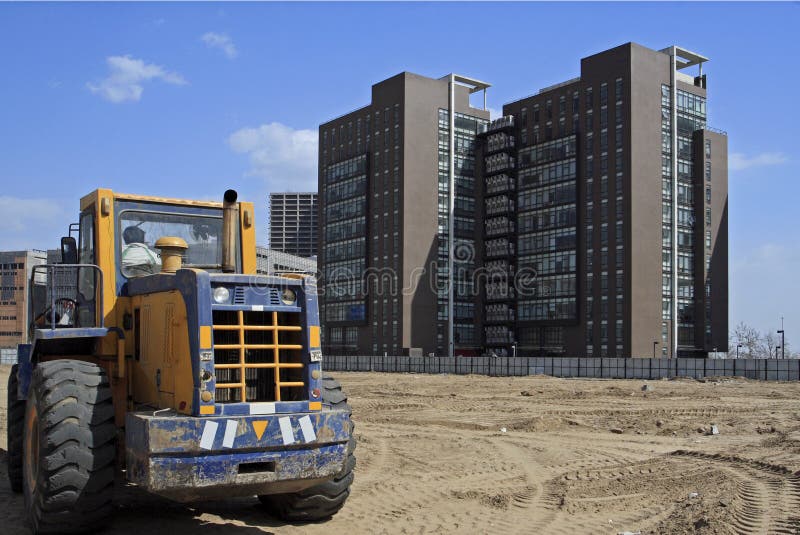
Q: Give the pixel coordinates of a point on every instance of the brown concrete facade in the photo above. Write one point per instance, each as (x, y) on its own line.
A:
(612, 284)
(401, 146)
(619, 208)
(15, 272)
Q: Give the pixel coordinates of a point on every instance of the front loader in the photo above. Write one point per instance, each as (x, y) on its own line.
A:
(159, 356)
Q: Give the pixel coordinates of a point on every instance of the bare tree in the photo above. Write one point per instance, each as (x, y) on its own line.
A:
(749, 338)
(767, 345)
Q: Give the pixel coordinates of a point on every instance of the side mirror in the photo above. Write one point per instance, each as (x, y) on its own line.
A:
(69, 250)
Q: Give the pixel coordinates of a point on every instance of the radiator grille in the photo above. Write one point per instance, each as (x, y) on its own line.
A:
(258, 356)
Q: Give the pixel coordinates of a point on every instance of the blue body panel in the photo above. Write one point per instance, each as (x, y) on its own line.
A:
(187, 458)
(24, 370)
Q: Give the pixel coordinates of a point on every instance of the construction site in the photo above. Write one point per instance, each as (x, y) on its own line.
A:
(441, 453)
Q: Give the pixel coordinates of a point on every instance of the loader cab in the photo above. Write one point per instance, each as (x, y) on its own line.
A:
(118, 233)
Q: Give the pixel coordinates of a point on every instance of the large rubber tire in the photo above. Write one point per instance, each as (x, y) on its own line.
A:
(324, 500)
(70, 448)
(16, 427)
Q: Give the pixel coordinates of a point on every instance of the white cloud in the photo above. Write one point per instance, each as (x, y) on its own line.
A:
(126, 77)
(738, 161)
(221, 41)
(32, 223)
(285, 157)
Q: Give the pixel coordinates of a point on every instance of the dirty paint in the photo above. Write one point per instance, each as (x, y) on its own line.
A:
(189, 458)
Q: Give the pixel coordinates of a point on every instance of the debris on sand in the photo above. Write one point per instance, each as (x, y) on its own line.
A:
(526, 393)
(659, 423)
(616, 430)
(714, 430)
(701, 522)
(647, 388)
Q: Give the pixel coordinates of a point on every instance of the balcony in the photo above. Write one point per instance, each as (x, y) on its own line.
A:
(500, 184)
(503, 123)
(499, 205)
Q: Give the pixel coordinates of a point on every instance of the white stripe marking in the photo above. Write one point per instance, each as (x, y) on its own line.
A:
(230, 433)
(286, 430)
(308, 429)
(258, 308)
(262, 408)
(209, 432)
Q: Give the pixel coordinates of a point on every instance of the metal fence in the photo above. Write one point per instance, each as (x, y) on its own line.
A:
(606, 368)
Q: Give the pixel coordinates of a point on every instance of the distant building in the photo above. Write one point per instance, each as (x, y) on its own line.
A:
(15, 272)
(293, 223)
(269, 262)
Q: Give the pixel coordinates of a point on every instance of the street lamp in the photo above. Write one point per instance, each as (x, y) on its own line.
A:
(783, 345)
(655, 343)
(737, 350)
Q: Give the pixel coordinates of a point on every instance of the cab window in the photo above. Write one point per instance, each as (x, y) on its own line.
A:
(86, 238)
(141, 229)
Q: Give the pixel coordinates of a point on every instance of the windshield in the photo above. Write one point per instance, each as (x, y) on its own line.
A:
(141, 229)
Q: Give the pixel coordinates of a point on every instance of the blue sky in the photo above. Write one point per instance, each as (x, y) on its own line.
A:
(189, 99)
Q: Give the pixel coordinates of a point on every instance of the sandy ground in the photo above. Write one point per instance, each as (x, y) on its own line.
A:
(470, 454)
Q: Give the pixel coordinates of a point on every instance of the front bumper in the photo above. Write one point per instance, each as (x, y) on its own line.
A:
(188, 458)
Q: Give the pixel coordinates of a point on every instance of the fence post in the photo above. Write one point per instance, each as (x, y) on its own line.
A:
(650, 373)
(705, 367)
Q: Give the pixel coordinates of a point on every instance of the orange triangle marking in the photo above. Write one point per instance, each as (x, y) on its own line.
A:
(259, 427)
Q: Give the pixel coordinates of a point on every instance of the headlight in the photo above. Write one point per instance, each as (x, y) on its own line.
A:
(288, 296)
(221, 294)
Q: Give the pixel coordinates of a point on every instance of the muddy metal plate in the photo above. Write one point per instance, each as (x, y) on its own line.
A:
(148, 435)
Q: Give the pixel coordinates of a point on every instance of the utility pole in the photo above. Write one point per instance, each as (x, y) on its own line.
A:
(783, 341)
(737, 350)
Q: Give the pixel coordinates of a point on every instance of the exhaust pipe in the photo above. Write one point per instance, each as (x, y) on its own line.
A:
(230, 220)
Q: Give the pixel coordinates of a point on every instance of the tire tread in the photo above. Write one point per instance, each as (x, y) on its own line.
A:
(77, 447)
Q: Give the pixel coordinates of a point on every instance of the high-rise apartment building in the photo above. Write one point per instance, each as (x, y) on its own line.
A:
(617, 202)
(293, 224)
(15, 273)
(384, 179)
(591, 218)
